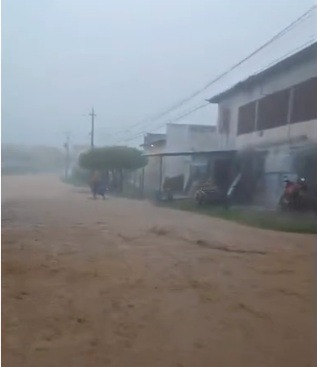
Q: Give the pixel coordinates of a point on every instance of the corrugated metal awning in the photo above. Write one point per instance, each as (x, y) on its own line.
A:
(175, 154)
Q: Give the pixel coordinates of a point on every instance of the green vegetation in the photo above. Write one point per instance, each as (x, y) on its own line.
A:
(112, 158)
(114, 162)
(286, 222)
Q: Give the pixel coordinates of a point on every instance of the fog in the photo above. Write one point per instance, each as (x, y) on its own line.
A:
(128, 59)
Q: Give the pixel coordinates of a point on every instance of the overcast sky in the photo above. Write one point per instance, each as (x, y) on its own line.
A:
(130, 59)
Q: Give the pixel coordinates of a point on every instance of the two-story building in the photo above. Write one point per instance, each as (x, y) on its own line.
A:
(272, 114)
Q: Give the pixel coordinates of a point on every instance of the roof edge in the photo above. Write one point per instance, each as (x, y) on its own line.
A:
(310, 49)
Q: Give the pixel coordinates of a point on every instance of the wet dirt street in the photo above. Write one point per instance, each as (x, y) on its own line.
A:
(123, 283)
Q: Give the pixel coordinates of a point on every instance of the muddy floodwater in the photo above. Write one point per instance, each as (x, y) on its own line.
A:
(123, 283)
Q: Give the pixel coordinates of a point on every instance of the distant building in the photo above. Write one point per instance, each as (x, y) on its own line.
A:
(178, 138)
(153, 143)
(188, 138)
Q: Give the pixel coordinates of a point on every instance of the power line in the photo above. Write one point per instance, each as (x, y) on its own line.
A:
(286, 55)
(141, 133)
(220, 76)
(169, 122)
(182, 116)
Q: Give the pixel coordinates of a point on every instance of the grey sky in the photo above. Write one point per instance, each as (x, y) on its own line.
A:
(128, 58)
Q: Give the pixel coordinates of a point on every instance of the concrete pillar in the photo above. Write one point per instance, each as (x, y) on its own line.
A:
(290, 111)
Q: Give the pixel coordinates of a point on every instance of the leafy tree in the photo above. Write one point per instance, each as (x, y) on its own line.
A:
(112, 158)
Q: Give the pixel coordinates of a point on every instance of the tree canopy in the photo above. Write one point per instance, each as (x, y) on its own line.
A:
(112, 157)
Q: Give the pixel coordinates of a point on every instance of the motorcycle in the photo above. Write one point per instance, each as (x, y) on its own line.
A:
(295, 197)
(210, 194)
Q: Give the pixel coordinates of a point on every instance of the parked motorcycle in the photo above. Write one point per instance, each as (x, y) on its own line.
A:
(295, 196)
(210, 194)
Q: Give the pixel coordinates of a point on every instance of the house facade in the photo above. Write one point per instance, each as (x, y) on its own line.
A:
(188, 138)
(178, 138)
(149, 177)
(274, 114)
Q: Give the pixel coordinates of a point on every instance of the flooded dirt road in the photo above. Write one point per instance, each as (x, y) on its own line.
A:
(123, 283)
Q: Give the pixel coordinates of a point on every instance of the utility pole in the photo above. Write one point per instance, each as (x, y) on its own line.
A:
(67, 159)
(92, 134)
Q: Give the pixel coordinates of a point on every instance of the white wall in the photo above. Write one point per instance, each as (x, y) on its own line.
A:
(290, 76)
(152, 169)
(181, 137)
(279, 142)
(282, 134)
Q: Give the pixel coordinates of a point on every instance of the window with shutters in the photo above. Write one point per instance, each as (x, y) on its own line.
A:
(305, 101)
(273, 110)
(246, 119)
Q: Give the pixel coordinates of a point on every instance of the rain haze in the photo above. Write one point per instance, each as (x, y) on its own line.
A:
(159, 183)
(128, 59)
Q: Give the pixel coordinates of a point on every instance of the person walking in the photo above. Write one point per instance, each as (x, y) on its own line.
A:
(95, 184)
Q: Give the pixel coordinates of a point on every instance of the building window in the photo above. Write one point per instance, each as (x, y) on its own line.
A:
(246, 119)
(305, 101)
(272, 111)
